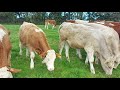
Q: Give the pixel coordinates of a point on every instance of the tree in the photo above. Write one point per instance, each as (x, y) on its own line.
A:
(110, 16)
(7, 17)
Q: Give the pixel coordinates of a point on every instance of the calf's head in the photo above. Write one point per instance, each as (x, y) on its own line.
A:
(109, 65)
(49, 59)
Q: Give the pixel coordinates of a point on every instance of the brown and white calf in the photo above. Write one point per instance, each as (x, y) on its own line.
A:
(5, 54)
(50, 22)
(35, 41)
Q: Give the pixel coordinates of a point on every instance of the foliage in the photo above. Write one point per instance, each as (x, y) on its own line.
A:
(39, 17)
(7, 17)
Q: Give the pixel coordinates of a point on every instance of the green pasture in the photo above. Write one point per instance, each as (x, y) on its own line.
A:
(63, 69)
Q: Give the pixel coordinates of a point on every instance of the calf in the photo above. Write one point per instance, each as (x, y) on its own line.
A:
(111, 36)
(5, 54)
(34, 39)
(82, 36)
(116, 28)
(50, 22)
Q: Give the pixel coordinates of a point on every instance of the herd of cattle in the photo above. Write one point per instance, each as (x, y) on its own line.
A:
(99, 38)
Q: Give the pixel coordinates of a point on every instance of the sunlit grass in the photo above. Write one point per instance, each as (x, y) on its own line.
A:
(63, 69)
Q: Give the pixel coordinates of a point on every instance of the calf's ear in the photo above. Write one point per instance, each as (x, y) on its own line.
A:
(13, 70)
(58, 55)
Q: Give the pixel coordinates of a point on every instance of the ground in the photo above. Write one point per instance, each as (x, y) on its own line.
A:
(63, 69)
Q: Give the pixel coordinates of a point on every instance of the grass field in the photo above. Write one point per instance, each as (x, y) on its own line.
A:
(63, 69)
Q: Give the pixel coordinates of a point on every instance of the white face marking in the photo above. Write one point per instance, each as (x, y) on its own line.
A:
(49, 60)
(4, 73)
(2, 33)
(39, 30)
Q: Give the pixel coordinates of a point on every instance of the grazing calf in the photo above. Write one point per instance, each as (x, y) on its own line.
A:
(115, 35)
(110, 35)
(34, 39)
(5, 54)
(82, 36)
(50, 22)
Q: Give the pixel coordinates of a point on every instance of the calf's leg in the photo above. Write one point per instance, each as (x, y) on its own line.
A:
(67, 51)
(27, 52)
(61, 46)
(20, 45)
(32, 55)
(90, 54)
(78, 53)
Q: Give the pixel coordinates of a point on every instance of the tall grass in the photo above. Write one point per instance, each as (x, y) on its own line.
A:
(63, 69)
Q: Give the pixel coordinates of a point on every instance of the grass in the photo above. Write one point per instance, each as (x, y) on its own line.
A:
(63, 69)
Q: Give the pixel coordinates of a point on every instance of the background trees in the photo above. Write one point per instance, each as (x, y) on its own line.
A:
(39, 17)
